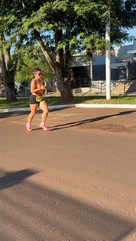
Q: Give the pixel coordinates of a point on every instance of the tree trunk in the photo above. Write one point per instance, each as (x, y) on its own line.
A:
(1, 78)
(63, 82)
(43, 48)
(11, 94)
(10, 86)
(9, 68)
(8, 79)
(61, 69)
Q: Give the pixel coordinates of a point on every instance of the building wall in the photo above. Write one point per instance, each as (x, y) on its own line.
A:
(82, 70)
(121, 52)
(99, 73)
(100, 60)
(82, 76)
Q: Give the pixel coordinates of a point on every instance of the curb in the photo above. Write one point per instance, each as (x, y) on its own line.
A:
(57, 107)
(54, 107)
(126, 106)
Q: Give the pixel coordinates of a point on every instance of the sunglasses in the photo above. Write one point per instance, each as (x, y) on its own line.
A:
(39, 74)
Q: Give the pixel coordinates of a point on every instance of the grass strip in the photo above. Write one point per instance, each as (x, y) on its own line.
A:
(57, 100)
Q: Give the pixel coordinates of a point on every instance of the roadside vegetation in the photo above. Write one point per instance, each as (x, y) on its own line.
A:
(57, 100)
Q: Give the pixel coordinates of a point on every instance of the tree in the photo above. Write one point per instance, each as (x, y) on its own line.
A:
(122, 14)
(67, 28)
(68, 23)
(10, 43)
(55, 18)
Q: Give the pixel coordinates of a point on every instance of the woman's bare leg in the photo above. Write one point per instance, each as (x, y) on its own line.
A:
(33, 109)
(44, 108)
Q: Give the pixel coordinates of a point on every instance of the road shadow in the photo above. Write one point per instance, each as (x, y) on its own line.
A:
(21, 112)
(10, 179)
(12, 114)
(40, 213)
(86, 121)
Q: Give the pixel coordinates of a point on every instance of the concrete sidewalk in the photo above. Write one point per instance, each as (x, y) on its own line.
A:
(56, 107)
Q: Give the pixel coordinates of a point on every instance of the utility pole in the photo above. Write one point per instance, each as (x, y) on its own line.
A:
(91, 72)
(108, 61)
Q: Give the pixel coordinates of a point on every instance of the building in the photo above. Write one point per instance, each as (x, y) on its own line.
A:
(126, 61)
(123, 66)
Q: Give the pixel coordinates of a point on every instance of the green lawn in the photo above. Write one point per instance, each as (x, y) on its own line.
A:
(24, 102)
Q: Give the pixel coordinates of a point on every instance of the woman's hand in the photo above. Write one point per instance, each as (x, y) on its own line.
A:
(42, 87)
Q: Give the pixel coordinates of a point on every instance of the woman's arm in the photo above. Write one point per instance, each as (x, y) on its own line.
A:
(43, 87)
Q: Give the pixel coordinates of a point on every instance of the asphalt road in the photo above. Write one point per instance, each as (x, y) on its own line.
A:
(75, 182)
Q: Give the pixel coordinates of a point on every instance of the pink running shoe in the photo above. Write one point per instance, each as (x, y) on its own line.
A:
(42, 125)
(28, 127)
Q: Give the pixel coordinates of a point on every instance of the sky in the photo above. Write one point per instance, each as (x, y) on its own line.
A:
(133, 33)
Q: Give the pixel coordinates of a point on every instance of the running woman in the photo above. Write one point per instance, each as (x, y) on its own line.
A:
(36, 99)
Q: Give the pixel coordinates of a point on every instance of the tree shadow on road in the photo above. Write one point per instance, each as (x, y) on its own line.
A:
(9, 179)
(13, 114)
(40, 213)
(4, 115)
(86, 121)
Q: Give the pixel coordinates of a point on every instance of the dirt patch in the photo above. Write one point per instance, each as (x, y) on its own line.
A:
(116, 128)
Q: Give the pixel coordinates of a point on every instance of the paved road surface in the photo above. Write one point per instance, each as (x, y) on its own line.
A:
(75, 182)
